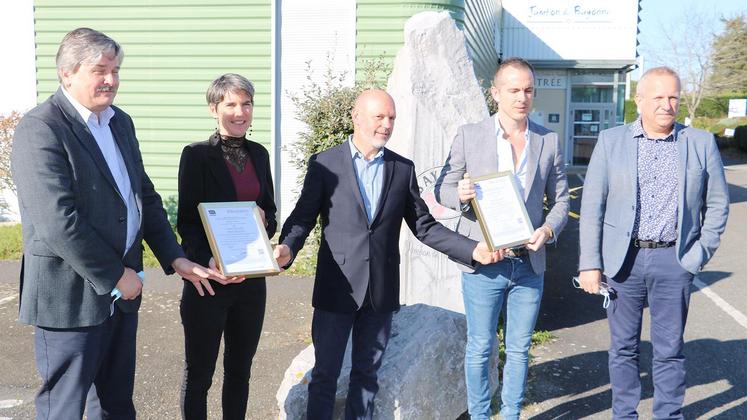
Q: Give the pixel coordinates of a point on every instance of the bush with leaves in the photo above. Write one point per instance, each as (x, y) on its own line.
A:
(324, 107)
(7, 128)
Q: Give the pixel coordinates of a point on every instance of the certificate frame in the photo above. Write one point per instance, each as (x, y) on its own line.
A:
(483, 208)
(261, 243)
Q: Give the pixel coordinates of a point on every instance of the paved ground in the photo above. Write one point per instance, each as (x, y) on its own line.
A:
(161, 348)
(568, 378)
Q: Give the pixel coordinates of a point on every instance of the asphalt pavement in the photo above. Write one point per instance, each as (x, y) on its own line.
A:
(568, 376)
(160, 348)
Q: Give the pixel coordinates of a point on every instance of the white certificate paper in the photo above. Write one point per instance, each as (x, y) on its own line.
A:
(501, 212)
(238, 239)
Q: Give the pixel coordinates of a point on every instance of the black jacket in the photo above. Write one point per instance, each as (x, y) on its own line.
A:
(204, 177)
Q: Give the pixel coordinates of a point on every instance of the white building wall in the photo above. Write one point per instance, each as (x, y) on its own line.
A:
(17, 74)
(542, 30)
(310, 31)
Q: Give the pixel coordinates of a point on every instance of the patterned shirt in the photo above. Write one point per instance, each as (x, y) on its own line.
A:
(656, 202)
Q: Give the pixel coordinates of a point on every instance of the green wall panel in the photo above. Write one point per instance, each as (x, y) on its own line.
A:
(173, 49)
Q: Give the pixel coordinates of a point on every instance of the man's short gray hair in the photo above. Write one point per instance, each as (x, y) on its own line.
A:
(229, 82)
(83, 46)
(661, 70)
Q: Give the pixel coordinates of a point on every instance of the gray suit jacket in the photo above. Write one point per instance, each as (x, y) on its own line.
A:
(74, 219)
(608, 205)
(475, 151)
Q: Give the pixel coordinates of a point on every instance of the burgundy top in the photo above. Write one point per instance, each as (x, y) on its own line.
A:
(245, 182)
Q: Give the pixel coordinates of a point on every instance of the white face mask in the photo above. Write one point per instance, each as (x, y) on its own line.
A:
(604, 290)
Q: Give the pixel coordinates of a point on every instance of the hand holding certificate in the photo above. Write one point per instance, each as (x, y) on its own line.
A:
(237, 238)
(500, 211)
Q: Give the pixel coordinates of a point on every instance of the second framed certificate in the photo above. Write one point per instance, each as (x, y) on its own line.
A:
(500, 211)
(238, 238)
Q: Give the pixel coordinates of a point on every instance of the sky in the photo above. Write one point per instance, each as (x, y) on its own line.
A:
(656, 14)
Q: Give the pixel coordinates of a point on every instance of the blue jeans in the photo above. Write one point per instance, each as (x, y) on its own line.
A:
(484, 292)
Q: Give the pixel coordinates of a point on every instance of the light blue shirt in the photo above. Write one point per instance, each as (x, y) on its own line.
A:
(370, 175)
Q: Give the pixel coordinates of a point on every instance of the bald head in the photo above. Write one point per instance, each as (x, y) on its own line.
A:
(372, 96)
(373, 119)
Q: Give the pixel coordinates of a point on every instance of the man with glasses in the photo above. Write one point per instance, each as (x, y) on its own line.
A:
(654, 205)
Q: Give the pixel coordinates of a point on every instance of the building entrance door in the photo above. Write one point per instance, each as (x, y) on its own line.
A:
(587, 120)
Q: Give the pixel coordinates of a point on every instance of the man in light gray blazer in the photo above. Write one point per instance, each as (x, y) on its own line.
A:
(86, 205)
(654, 206)
(507, 141)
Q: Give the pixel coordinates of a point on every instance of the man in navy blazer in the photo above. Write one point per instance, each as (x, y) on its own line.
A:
(654, 206)
(86, 205)
(361, 192)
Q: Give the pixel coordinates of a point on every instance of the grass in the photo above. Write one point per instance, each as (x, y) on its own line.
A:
(11, 242)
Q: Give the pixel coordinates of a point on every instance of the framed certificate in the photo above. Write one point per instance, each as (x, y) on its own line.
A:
(500, 210)
(238, 239)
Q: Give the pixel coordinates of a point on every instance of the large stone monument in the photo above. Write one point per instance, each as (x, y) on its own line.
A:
(436, 91)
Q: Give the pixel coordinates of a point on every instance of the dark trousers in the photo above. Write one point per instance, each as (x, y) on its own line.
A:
(236, 313)
(653, 276)
(330, 332)
(95, 363)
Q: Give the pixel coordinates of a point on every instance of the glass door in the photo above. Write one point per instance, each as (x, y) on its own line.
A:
(588, 120)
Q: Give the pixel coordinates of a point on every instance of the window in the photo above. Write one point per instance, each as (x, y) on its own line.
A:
(591, 94)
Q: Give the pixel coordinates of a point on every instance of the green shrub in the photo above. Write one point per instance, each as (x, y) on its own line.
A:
(171, 205)
(631, 111)
(713, 107)
(11, 242)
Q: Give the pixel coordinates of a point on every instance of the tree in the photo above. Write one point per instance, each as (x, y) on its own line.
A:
(689, 44)
(7, 128)
(729, 58)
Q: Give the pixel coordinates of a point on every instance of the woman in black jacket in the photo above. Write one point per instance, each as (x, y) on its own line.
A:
(226, 167)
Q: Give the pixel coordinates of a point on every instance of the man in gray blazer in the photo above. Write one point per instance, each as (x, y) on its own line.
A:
(86, 205)
(507, 141)
(654, 206)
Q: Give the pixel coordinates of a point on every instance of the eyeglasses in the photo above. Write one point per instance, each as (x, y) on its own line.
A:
(604, 290)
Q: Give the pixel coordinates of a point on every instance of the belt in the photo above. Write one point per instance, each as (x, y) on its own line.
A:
(517, 252)
(652, 244)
